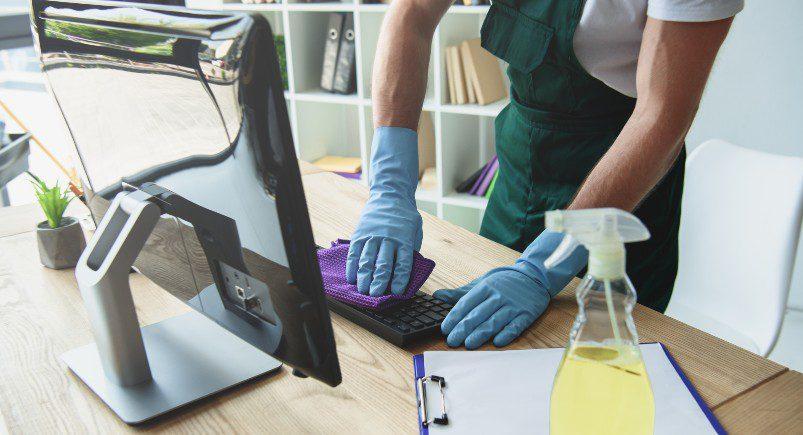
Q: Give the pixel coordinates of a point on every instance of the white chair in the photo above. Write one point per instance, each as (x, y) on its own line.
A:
(739, 230)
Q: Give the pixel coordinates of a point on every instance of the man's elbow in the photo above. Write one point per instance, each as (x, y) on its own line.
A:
(671, 119)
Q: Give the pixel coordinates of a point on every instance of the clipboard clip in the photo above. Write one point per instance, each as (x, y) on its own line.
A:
(422, 400)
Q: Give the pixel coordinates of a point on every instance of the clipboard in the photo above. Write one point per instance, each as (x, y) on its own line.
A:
(679, 407)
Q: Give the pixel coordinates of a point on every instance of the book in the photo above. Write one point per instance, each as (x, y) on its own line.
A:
(485, 73)
(345, 70)
(486, 181)
(476, 186)
(450, 76)
(472, 99)
(330, 50)
(459, 79)
(350, 165)
(493, 184)
(466, 184)
(426, 143)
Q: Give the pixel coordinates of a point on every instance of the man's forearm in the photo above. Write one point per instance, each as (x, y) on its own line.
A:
(399, 81)
(642, 154)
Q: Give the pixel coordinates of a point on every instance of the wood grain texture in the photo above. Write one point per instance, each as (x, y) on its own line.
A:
(23, 218)
(42, 316)
(717, 368)
(776, 407)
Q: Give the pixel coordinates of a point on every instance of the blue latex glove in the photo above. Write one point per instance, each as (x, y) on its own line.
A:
(389, 230)
(506, 300)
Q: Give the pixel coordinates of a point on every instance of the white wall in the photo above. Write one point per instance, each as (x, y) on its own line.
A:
(755, 95)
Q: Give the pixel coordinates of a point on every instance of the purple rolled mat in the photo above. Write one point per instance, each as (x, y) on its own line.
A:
(333, 271)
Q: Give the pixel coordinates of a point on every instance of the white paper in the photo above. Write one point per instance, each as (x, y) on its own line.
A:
(508, 392)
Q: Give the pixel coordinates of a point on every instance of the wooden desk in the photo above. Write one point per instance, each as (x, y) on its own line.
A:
(41, 316)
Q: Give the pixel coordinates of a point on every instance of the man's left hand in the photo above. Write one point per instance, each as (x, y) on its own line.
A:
(499, 305)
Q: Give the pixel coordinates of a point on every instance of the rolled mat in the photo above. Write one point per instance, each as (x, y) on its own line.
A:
(333, 271)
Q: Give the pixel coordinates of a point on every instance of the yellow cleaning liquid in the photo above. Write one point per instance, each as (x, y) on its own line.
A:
(601, 390)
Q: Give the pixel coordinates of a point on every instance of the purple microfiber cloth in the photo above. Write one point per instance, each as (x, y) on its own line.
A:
(333, 272)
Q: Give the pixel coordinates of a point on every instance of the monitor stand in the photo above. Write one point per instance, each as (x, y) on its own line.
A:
(142, 373)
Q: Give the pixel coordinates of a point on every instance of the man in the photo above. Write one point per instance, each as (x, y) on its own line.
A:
(602, 95)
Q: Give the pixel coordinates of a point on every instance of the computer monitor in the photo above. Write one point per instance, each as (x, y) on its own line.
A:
(187, 108)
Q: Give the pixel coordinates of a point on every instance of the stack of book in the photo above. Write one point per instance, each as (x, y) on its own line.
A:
(473, 74)
(482, 182)
(349, 167)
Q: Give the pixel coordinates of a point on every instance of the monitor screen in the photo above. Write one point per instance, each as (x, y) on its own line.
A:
(188, 104)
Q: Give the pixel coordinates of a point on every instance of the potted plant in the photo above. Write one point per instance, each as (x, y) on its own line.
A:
(60, 239)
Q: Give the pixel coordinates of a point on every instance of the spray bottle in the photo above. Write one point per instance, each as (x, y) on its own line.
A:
(601, 385)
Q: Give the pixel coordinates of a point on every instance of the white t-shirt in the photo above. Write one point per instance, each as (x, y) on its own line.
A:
(608, 37)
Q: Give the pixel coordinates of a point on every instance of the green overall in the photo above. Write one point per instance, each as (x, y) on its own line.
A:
(559, 123)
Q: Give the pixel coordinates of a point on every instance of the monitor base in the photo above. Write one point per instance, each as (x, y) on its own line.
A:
(190, 358)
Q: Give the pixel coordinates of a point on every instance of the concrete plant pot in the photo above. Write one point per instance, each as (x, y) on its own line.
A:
(59, 248)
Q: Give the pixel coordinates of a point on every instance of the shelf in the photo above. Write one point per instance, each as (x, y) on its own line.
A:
(321, 96)
(457, 9)
(262, 7)
(325, 123)
(373, 8)
(426, 195)
(466, 200)
(330, 7)
(327, 129)
(430, 105)
(321, 7)
(491, 109)
(468, 218)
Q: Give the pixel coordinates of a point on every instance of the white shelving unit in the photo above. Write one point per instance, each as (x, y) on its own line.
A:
(325, 123)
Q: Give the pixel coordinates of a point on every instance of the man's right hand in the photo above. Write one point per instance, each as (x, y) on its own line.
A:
(381, 252)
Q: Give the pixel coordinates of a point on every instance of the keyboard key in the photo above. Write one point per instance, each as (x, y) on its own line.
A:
(416, 324)
(423, 318)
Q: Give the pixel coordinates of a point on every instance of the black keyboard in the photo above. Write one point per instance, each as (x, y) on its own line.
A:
(400, 324)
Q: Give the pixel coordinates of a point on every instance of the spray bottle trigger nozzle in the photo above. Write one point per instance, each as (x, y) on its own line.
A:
(562, 252)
